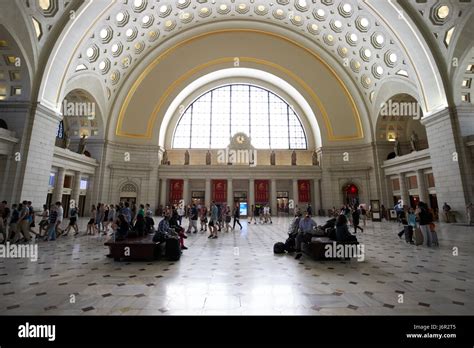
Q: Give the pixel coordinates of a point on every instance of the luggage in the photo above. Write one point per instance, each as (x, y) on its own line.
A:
(408, 229)
(279, 248)
(172, 249)
(418, 236)
(434, 235)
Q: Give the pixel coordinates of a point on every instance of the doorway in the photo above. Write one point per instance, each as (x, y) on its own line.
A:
(282, 202)
(351, 194)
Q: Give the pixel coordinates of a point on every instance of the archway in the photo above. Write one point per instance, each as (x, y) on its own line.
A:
(350, 194)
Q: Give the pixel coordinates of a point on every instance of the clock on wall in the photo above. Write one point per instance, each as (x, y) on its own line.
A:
(240, 139)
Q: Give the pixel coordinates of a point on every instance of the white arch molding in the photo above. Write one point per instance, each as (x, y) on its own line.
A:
(232, 75)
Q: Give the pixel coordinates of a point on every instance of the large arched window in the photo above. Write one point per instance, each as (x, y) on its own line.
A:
(213, 118)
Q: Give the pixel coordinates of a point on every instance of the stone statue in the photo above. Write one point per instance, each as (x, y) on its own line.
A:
(208, 158)
(293, 158)
(272, 158)
(82, 145)
(164, 159)
(67, 140)
(186, 158)
(396, 147)
(414, 141)
(315, 158)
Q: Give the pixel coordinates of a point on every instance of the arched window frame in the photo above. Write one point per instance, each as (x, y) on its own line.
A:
(284, 129)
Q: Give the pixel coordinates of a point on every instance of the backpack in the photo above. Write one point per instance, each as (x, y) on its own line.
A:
(279, 248)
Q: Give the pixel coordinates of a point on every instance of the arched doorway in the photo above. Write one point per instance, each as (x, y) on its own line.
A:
(128, 193)
(351, 194)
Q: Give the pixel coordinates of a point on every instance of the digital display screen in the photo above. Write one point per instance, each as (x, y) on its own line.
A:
(243, 208)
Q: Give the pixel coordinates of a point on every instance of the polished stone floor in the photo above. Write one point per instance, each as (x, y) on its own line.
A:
(238, 274)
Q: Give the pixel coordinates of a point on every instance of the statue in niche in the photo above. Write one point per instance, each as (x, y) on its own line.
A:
(67, 140)
(82, 145)
(414, 141)
(315, 158)
(396, 147)
(272, 158)
(293, 158)
(208, 158)
(186, 158)
(164, 159)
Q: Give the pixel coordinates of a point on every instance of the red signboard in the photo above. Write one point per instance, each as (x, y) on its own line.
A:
(262, 191)
(219, 191)
(176, 190)
(304, 195)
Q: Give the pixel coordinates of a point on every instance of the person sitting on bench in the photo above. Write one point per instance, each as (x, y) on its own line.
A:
(306, 226)
(342, 230)
(122, 228)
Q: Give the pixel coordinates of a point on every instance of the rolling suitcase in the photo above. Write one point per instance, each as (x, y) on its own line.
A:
(434, 235)
(418, 236)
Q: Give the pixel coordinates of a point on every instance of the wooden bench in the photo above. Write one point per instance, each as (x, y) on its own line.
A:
(137, 248)
(317, 247)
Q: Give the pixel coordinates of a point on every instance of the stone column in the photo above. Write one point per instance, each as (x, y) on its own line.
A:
(186, 192)
(389, 202)
(76, 188)
(59, 185)
(251, 192)
(448, 159)
(164, 192)
(230, 193)
(403, 189)
(207, 197)
(5, 175)
(295, 192)
(38, 142)
(316, 196)
(273, 196)
(422, 191)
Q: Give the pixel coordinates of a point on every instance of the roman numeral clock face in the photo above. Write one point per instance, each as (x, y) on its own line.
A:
(241, 139)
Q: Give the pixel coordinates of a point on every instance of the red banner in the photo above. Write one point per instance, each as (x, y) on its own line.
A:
(176, 190)
(219, 191)
(262, 191)
(304, 195)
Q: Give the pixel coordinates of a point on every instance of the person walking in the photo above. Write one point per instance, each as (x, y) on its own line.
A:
(52, 223)
(213, 221)
(425, 219)
(193, 217)
(237, 216)
(91, 223)
(24, 222)
(203, 219)
(43, 224)
(355, 220)
(73, 213)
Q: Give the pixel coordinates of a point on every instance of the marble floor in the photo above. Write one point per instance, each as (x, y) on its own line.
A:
(238, 274)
